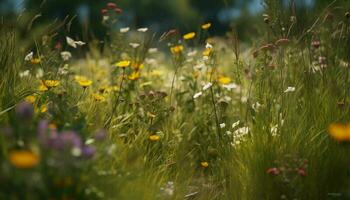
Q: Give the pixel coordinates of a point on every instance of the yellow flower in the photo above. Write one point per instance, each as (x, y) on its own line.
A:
(35, 61)
(204, 164)
(206, 26)
(83, 81)
(23, 159)
(340, 132)
(51, 83)
(30, 99)
(98, 97)
(43, 109)
(134, 76)
(176, 49)
(123, 64)
(42, 87)
(189, 36)
(154, 137)
(224, 80)
(207, 52)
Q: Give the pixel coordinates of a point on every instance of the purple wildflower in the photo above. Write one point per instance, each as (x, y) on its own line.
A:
(88, 151)
(25, 111)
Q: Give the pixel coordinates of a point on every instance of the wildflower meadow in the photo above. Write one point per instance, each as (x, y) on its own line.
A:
(183, 113)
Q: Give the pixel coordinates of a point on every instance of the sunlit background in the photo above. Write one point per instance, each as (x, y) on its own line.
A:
(158, 15)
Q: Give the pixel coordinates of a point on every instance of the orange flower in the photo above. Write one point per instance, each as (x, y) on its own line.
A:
(340, 132)
(23, 159)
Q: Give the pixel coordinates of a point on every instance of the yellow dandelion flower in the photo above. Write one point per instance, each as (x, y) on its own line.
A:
(98, 97)
(51, 83)
(154, 137)
(224, 80)
(30, 99)
(204, 164)
(83, 81)
(23, 159)
(206, 26)
(123, 64)
(189, 36)
(35, 61)
(207, 52)
(340, 132)
(42, 87)
(176, 49)
(134, 76)
(43, 109)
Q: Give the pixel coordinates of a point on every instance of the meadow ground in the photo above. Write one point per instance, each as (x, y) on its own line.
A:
(143, 115)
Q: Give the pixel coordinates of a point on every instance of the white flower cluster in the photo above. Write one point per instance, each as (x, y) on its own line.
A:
(167, 189)
(239, 134)
(206, 86)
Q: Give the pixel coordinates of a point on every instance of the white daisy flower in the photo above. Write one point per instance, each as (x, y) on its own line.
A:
(124, 30)
(208, 46)
(80, 43)
(198, 94)
(234, 125)
(74, 43)
(66, 55)
(134, 45)
(289, 89)
(222, 125)
(152, 50)
(105, 18)
(207, 86)
(71, 42)
(24, 73)
(230, 86)
(29, 56)
(142, 30)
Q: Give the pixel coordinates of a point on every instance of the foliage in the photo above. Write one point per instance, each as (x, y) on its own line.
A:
(180, 115)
